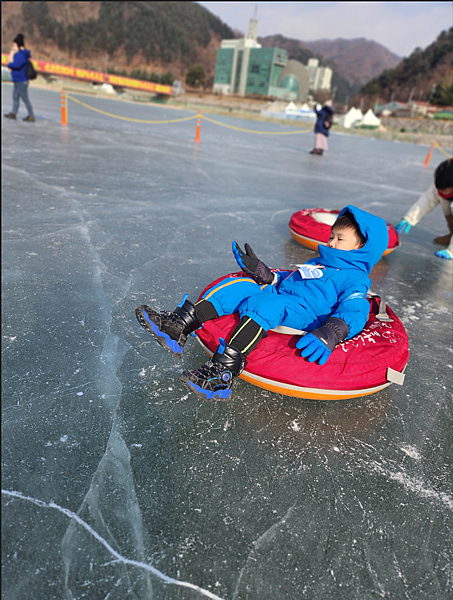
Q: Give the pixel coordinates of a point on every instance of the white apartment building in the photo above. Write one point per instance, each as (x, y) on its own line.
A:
(319, 78)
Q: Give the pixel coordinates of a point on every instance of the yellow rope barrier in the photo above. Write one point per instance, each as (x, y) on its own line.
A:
(253, 131)
(103, 112)
(430, 151)
(442, 150)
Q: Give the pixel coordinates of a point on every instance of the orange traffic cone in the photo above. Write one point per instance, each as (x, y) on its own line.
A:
(197, 135)
(64, 115)
(428, 156)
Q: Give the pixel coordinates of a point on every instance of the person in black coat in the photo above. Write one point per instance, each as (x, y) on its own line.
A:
(323, 123)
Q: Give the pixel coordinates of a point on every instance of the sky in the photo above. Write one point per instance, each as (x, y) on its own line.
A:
(399, 26)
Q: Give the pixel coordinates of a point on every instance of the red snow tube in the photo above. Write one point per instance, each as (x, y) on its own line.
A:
(362, 365)
(312, 226)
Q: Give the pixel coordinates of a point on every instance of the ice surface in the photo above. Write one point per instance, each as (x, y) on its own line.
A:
(118, 483)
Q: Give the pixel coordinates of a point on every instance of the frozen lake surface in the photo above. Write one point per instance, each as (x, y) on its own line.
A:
(117, 483)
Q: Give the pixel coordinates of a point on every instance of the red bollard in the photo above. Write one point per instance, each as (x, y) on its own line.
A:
(197, 135)
(64, 115)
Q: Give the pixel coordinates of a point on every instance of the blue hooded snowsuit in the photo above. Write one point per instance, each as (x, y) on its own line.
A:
(338, 290)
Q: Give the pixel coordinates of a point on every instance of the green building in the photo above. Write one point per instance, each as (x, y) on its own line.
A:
(244, 67)
(248, 70)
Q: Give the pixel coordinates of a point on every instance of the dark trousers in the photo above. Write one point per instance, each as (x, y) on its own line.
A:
(245, 336)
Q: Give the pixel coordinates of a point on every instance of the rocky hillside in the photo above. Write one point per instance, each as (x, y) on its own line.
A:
(161, 40)
(344, 83)
(353, 62)
(426, 75)
(358, 59)
(134, 38)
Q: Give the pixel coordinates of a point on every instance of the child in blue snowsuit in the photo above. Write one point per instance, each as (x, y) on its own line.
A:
(325, 297)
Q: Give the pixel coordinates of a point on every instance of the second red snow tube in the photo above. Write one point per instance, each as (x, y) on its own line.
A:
(312, 226)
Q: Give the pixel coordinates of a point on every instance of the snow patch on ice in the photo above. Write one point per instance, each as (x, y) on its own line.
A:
(421, 310)
(411, 451)
(415, 485)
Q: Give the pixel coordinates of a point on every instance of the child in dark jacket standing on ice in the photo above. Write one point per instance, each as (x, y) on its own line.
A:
(325, 297)
(322, 126)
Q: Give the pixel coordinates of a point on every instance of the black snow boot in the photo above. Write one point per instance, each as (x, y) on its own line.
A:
(215, 378)
(169, 328)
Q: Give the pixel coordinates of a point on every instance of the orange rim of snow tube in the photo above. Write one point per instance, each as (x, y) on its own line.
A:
(304, 392)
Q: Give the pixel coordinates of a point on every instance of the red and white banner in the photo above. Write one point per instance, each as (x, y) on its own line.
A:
(43, 66)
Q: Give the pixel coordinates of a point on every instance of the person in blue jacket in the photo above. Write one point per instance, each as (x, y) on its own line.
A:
(18, 62)
(322, 126)
(325, 297)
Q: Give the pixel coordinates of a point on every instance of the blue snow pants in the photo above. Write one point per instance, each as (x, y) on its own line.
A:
(262, 303)
(20, 90)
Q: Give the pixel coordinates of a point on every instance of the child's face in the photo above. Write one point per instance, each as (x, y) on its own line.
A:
(344, 239)
(446, 193)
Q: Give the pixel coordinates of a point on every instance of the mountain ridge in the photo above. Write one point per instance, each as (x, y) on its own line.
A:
(343, 82)
(424, 76)
(145, 39)
(58, 26)
(363, 58)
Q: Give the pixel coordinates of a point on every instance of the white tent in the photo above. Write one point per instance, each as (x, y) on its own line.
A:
(370, 120)
(351, 118)
(291, 108)
(306, 113)
(107, 87)
(358, 114)
(276, 106)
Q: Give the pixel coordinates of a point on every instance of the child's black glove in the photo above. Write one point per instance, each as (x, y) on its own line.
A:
(252, 265)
